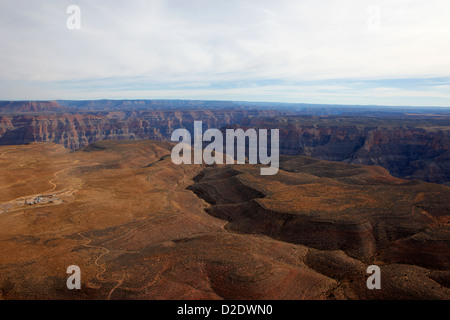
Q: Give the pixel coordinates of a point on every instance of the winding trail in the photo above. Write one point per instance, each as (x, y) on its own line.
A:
(55, 176)
(5, 152)
(105, 252)
(119, 283)
(21, 198)
(102, 266)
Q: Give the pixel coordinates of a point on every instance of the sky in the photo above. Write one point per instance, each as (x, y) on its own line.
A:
(393, 52)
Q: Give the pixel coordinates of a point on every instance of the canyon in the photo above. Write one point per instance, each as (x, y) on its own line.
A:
(410, 145)
(92, 184)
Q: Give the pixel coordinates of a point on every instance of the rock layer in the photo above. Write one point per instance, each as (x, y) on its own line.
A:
(415, 147)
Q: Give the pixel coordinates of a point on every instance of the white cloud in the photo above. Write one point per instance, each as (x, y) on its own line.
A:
(200, 41)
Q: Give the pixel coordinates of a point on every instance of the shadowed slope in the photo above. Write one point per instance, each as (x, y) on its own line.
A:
(359, 215)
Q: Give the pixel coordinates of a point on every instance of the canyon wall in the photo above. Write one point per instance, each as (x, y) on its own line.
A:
(408, 146)
(75, 131)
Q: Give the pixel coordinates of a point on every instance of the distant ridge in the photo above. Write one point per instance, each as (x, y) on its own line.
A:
(31, 107)
(107, 105)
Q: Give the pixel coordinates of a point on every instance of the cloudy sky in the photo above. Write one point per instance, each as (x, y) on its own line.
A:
(393, 52)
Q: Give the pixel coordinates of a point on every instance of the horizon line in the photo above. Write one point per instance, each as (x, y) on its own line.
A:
(232, 101)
